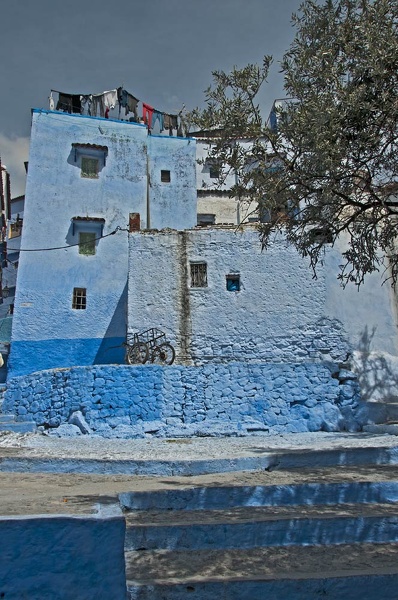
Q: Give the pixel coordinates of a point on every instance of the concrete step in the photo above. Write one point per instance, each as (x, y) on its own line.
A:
(382, 428)
(196, 457)
(383, 412)
(5, 418)
(331, 485)
(346, 571)
(392, 411)
(18, 426)
(261, 526)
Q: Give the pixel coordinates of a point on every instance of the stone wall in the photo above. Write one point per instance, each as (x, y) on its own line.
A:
(215, 399)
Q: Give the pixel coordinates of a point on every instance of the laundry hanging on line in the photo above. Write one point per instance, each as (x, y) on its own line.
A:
(100, 105)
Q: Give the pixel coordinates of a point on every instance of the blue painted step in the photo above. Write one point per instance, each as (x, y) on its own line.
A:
(265, 526)
(222, 497)
(8, 423)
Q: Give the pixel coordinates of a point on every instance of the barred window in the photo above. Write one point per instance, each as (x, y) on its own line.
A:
(199, 275)
(89, 167)
(87, 243)
(79, 300)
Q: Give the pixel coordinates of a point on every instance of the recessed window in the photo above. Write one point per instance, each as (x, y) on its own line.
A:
(199, 275)
(87, 241)
(79, 300)
(89, 167)
(320, 236)
(214, 171)
(91, 158)
(87, 232)
(165, 176)
(233, 283)
(205, 219)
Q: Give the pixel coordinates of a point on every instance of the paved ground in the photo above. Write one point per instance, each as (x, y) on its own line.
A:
(95, 447)
(38, 493)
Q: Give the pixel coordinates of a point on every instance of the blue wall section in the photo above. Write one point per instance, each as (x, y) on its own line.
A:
(62, 557)
(229, 399)
(57, 353)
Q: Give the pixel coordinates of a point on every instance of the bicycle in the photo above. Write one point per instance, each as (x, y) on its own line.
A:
(152, 345)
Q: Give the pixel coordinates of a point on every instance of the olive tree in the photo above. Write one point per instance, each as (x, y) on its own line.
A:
(325, 162)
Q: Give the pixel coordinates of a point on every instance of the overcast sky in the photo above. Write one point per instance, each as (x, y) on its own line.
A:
(162, 51)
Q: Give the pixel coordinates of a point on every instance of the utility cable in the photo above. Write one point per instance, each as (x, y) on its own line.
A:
(118, 228)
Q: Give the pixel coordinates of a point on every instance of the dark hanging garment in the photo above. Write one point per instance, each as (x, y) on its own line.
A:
(170, 122)
(180, 129)
(98, 106)
(86, 105)
(65, 102)
(132, 104)
(121, 98)
(76, 104)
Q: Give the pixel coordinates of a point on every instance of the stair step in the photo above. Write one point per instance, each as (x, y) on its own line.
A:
(18, 426)
(5, 418)
(333, 485)
(265, 526)
(380, 428)
(298, 572)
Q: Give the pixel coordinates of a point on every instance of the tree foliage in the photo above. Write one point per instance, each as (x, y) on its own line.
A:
(332, 158)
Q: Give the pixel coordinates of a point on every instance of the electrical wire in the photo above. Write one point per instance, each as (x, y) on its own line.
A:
(118, 228)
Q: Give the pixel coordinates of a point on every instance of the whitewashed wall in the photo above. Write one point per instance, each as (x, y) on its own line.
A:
(281, 314)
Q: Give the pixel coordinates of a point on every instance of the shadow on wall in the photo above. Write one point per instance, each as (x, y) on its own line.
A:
(112, 350)
(377, 371)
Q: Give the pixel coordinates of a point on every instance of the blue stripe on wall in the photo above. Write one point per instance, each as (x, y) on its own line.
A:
(31, 356)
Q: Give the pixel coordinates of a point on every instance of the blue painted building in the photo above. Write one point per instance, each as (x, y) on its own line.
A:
(90, 180)
(109, 247)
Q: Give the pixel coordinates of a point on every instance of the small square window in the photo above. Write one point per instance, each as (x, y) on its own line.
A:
(79, 300)
(204, 219)
(87, 243)
(165, 176)
(233, 283)
(199, 275)
(214, 171)
(89, 167)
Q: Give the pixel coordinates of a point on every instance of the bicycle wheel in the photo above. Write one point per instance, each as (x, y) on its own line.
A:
(138, 353)
(163, 354)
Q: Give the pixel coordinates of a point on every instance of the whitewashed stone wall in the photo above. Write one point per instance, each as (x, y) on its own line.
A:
(280, 314)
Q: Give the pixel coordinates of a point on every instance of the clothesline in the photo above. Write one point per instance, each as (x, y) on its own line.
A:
(101, 104)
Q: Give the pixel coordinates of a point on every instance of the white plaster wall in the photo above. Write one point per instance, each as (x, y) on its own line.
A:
(281, 313)
(154, 283)
(47, 331)
(172, 204)
(369, 313)
(203, 179)
(55, 194)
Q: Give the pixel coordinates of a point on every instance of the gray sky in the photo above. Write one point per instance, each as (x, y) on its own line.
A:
(162, 51)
